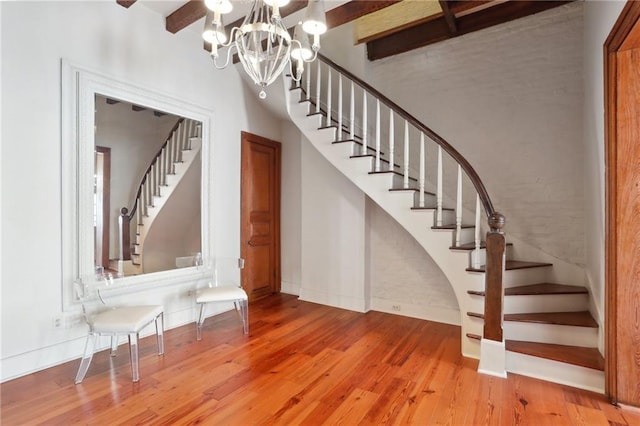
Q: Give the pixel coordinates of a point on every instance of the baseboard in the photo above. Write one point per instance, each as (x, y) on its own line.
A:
(446, 316)
(335, 300)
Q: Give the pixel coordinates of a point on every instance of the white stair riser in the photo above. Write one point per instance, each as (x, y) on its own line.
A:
(554, 371)
(551, 333)
(525, 276)
(546, 303)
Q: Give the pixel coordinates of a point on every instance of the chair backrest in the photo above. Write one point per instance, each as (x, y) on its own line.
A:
(225, 272)
(87, 292)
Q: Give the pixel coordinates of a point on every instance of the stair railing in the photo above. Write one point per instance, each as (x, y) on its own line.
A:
(328, 89)
(162, 164)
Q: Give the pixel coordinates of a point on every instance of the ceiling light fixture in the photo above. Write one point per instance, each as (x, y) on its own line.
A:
(264, 45)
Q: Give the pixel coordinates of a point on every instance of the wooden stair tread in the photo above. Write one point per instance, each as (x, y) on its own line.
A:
(414, 190)
(432, 208)
(474, 336)
(514, 264)
(471, 246)
(575, 355)
(539, 289)
(392, 171)
(576, 319)
(453, 226)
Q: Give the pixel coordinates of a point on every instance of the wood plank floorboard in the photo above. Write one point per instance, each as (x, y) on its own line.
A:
(301, 364)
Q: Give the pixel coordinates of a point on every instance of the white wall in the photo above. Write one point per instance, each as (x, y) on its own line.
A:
(130, 45)
(599, 17)
(404, 279)
(333, 235)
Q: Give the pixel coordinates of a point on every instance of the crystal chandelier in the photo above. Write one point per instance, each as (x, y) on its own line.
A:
(262, 42)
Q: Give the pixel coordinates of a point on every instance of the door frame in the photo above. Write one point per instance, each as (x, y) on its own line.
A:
(614, 43)
(106, 205)
(247, 138)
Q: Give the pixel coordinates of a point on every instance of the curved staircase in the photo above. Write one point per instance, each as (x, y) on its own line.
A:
(160, 180)
(418, 178)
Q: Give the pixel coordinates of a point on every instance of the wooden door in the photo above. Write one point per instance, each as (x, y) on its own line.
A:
(260, 216)
(623, 208)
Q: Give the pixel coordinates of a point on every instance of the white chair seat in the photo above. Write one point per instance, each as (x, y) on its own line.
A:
(125, 319)
(221, 294)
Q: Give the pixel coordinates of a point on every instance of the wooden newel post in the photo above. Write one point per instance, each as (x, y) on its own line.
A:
(494, 274)
(125, 236)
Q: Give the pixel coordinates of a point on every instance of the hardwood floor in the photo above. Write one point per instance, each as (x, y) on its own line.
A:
(301, 364)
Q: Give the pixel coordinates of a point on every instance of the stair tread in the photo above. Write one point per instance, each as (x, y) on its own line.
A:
(471, 246)
(383, 160)
(575, 355)
(432, 208)
(576, 319)
(474, 336)
(391, 171)
(539, 289)
(514, 264)
(453, 226)
(412, 189)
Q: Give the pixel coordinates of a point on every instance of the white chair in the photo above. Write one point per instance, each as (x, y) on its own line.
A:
(116, 321)
(223, 293)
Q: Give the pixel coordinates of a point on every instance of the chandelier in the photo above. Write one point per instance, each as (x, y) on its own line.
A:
(262, 42)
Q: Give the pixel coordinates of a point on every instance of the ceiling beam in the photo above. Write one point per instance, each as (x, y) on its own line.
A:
(125, 3)
(186, 15)
(438, 30)
(449, 17)
(287, 10)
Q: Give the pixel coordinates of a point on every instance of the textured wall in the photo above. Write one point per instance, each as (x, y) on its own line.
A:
(510, 99)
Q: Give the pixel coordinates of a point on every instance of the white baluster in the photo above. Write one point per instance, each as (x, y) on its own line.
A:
(318, 88)
(439, 190)
(459, 207)
(352, 114)
(364, 122)
(377, 168)
(339, 107)
(476, 253)
(422, 172)
(308, 91)
(392, 137)
(406, 154)
(329, 97)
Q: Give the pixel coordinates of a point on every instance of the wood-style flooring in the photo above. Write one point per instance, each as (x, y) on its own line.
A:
(302, 363)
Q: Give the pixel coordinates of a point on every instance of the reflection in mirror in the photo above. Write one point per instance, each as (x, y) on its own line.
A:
(147, 186)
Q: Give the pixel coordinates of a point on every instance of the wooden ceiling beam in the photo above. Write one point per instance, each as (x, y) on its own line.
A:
(438, 30)
(289, 9)
(449, 17)
(185, 15)
(126, 3)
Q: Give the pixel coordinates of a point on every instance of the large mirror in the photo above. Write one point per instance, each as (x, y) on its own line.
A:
(135, 184)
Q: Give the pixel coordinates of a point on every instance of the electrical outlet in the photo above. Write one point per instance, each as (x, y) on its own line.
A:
(395, 307)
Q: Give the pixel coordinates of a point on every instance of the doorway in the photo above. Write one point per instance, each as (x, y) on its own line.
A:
(622, 104)
(260, 216)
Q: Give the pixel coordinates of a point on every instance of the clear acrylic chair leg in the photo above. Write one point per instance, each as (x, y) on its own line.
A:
(160, 333)
(244, 315)
(200, 322)
(114, 345)
(133, 351)
(86, 358)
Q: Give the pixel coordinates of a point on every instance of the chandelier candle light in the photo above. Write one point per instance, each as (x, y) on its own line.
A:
(264, 45)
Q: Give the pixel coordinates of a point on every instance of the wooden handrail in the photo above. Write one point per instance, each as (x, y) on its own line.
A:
(469, 170)
(495, 240)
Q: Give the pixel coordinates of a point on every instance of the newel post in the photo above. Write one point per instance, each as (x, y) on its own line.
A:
(125, 236)
(492, 348)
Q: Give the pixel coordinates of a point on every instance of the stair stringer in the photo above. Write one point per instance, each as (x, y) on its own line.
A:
(398, 205)
(172, 182)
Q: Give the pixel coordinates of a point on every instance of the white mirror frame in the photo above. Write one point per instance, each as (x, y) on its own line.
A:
(79, 87)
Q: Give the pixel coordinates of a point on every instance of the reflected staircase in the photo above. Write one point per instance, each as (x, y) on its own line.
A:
(159, 181)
